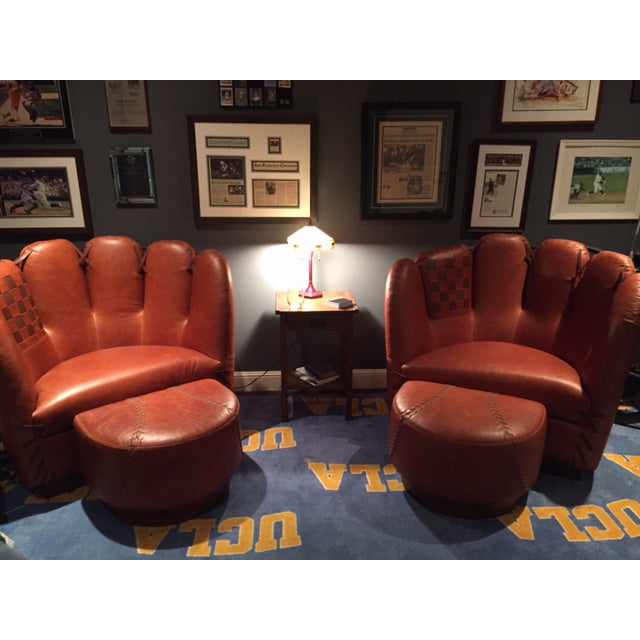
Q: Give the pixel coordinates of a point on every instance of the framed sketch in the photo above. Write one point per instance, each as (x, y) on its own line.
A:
(407, 160)
(550, 102)
(500, 187)
(132, 170)
(597, 180)
(34, 111)
(44, 193)
(128, 106)
(235, 174)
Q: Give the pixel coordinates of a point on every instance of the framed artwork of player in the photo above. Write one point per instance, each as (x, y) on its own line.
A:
(541, 102)
(34, 111)
(44, 193)
(596, 180)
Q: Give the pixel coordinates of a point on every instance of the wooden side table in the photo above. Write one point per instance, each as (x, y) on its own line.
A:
(316, 314)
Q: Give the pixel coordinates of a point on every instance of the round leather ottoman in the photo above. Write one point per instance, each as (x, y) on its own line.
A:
(163, 457)
(464, 452)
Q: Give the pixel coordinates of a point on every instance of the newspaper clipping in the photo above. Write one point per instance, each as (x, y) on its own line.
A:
(276, 193)
(227, 186)
(409, 162)
(500, 184)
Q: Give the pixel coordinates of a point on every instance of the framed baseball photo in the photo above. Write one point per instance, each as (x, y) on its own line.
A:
(44, 193)
(597, 180)
(34, 111)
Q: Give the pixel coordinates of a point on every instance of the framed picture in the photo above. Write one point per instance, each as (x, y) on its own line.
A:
(235, 174)
(34, 111)
(597, 180)
(500, 187)
(128, 106)
(407, 160)
(132, 170)
(635, 91)
(43, 193)
(257, 94)
(550, 102)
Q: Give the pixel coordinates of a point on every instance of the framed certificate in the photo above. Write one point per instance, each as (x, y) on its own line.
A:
(128, 106)
(133, 180)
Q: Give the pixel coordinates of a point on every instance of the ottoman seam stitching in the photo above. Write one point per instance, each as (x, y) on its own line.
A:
(499, 418)
(204, 399)
(408, 413)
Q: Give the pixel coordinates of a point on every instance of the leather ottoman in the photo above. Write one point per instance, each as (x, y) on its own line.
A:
(465, 452)
(163, 457)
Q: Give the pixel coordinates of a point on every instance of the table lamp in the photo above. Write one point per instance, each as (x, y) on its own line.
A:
(310, 239)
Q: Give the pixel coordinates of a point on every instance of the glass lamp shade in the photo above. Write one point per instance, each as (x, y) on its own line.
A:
(310, 239)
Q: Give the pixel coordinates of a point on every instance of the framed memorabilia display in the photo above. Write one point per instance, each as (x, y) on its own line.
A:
(128, 106)
(501, 185)
(242, 169)
(550, 102)
(257, 94)
(132, 170)
(407, 160)
(597, 180)
(34, 111)
(44, 193)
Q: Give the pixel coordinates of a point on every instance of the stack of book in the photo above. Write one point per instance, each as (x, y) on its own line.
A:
(316, 373)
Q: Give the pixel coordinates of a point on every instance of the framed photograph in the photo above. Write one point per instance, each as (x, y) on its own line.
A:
(550, 102)
(407, 160)
(500, 187)
(132, 170)
(236, 176)
(635, 91)
(597, 180)
(44, 193)
(34, 111)
(128, 106)
(258, 94)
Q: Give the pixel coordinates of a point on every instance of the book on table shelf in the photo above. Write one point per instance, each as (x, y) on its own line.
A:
(340, 303)
(316, 374)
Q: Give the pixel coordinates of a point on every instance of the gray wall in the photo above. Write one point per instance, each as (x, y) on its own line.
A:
(365, 249)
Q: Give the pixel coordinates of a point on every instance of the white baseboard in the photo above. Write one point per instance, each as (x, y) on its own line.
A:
(259, 381)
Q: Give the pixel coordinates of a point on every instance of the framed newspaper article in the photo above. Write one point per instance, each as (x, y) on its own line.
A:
(128, 106)
(539, 102)
(407, 160)
(44, 193)
(242, 169)
(500, 185)
(596, 180)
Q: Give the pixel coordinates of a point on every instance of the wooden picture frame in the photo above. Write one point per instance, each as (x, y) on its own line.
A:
(128, 106)
(246, 169)
(596, 180)
(407, 160)
(44, 193)
(35, 111)
(500, 186)
(550, 102)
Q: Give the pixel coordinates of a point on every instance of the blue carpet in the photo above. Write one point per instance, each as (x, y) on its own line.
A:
(319, 487)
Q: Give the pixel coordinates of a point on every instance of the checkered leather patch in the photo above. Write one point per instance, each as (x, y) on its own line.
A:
(18, 309)
(447, 284)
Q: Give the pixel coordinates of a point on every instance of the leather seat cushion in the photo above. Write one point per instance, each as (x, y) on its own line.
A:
(506, 368)
(110, 375)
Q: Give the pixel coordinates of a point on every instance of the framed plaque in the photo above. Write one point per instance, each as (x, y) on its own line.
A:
(128, 106)
(132, 169)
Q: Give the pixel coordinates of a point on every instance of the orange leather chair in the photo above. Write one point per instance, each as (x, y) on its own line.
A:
(552, 324)
(83, 329)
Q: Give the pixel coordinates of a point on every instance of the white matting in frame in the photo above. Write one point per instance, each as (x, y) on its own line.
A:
(597, 180)
(243, 145)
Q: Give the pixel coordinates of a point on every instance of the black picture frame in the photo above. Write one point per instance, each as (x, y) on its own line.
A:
(133, 177)
(408, 152)
(35, 111)
(255, 94)
(64, 211)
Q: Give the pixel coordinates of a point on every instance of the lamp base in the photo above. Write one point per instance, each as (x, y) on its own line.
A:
(310, 292)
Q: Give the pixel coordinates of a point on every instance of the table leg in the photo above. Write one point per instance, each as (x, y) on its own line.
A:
(284, 413)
